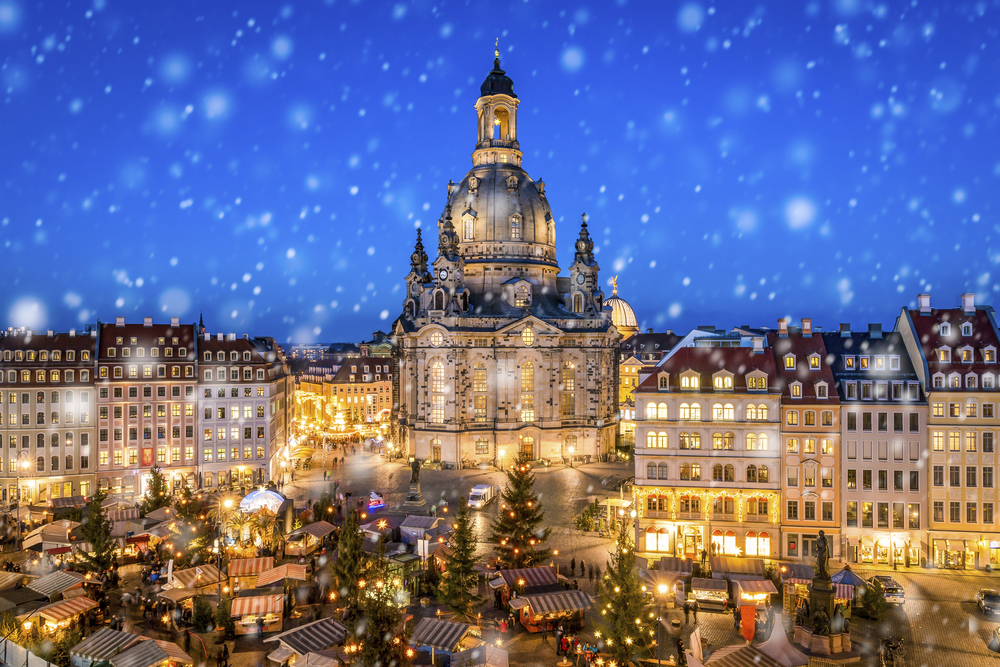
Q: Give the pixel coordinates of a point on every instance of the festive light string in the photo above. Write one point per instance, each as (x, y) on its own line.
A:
(641, 494)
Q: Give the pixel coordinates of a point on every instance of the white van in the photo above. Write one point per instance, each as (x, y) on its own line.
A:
(481, 495)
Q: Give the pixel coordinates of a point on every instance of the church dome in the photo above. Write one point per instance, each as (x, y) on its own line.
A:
(622, 315)
(497, 82)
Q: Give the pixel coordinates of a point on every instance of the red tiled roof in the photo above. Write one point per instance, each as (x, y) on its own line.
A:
(708, 360)
(803, 347)
(926, 327)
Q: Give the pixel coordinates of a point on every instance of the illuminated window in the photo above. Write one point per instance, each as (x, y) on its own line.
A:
(527, 392)
(790, 361)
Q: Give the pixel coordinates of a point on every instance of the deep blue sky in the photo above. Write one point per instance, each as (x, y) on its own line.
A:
(267, 163)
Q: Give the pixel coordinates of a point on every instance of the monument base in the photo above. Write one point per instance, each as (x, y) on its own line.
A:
(414, 498)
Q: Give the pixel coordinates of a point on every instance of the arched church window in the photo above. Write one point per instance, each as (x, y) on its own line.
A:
(522, 296)
(515, 227)
(439, 300)
(468, 229)
(578, 303)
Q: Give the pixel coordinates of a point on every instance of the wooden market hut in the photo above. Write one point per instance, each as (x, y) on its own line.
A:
(246, 610)
(243, 572)
(537, 611)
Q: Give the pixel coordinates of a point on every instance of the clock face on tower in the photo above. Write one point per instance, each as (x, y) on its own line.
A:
(580, 278)
(443, 274)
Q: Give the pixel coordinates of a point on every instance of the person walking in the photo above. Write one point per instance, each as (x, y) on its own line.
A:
(687, 612)
(694, 610)
(736, 618)
(583, 568)
(225, 655)
(545, 631)
(590, 575)
(572, 566)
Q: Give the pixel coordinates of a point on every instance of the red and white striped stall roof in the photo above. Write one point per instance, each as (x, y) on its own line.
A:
(66, 609)
(255, 606)
(244, 567)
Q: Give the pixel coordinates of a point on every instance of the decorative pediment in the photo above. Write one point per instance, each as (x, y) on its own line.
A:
(511, 183)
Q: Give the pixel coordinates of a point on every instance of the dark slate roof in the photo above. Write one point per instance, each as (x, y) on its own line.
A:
(497, 82)
(316, 636)
(650, 343)
(857, 343)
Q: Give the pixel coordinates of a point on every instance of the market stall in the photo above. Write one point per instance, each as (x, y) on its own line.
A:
(847, 588)
(307, 539)
(10, 580)
(524, 581)
(438, 635)
(755, 593)
(320, 635)
(59, 615)
(199, 578)
(281, 574)
(737, 568)
(100, 646)
(486, 655)
(143, 654)
(247, 610)
(243, 572)
(711, 594)
(538, 611)
(796, 579)
(55, 584)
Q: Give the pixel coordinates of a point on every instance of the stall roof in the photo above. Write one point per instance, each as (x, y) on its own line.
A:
(777, 647)
(332, 658)
(737, 568)
(56, 582)
(143, 654)
(486, 655)
(318, 529)
(798, 573)
(263, 604)
(518, 603)
(178, 594)
(200, 575)
(281, 654)
(757, 586)
(555, 603)
(847, 577)
(311, 637)
(244, 567)
(438, 634)
(10, 579)
(73, 593)
(174, 652)
(422, 522)
(19, 596)
(280, 573)
(104, 643)
(741, 655)
(709, 584)
(122, 515)
(162, 514)
(532, 576)
(69, 501)
(66, 609)
(672, 564)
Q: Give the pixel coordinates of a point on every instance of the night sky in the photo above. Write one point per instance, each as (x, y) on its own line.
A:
(267, 164)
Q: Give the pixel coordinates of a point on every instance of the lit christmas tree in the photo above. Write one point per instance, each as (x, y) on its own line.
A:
(626, 626)
(517, 537)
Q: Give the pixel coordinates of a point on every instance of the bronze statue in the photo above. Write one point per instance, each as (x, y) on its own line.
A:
(415, 472)
(821, 622)
(822, 557)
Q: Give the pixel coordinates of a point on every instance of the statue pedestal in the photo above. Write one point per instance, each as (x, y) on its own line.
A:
(821, 597)
(414, 498)
(820, 644)
(801, 636)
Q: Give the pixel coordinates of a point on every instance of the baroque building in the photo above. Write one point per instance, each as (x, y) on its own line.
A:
(498, 354)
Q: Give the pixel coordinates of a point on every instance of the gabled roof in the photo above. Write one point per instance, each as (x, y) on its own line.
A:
(926, 327)
(706, 361)
(803, 347)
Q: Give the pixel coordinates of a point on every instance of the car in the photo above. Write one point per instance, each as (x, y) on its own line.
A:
(890, 589)
(988, 601)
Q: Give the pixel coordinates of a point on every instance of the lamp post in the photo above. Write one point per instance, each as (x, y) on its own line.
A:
(224, 505)
(22, 462)
(661, 591)
(571, 450)
(500, 452)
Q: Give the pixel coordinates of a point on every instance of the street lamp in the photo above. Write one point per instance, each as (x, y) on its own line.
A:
(22, 462)
(224, 505)
(571, 450)
(500, 453)
(661, 591)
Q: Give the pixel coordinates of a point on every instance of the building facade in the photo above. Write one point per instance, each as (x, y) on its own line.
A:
(883, 488)
(954, 354)
(242, 397)
(707, 453)
(146, 401)
(499, 355)
(47, 415)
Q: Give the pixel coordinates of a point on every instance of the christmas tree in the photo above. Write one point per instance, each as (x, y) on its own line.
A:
(380, 638)
(349, 568)
(517, 536)
(157, 495)
(460, 583)
(627, 628)
(96, 530)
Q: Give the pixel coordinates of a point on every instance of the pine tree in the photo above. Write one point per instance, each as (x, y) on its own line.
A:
(460, 584)
(157, 495)
(96, 529)
(517, 537)
(627, 627)
(349, 568)
(380, 632)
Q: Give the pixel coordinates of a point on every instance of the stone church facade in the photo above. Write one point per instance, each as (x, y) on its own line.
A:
(499, 355)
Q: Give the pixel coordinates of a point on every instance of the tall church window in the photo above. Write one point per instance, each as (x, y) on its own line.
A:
(479, 385)
(568, 387)
(468, 229)
(577, 303)
(522, 296)
(515, 227)
(437, 392)
(528, 392)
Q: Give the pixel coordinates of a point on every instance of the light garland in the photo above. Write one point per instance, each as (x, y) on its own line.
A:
(641, 494)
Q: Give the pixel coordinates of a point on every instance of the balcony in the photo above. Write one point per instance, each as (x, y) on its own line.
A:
(690, 516)
(756, 518)
(718, 516)
(651, 514)
(501, 143)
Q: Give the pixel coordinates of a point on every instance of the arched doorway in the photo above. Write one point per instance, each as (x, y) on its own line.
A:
(526, 448)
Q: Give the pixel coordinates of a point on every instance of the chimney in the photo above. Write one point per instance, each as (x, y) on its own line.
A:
(807, 327)
(232, 336)
(72, 333)
(220, 337)
(875, 330)
(845, 329)
(175, 321)
(208, 336)
(93, 333)
(924, 300)
(49, 332)
(119, 321)
(783, 328)
(758, 345)
(147, 321)
(246, 336)
(969, 303)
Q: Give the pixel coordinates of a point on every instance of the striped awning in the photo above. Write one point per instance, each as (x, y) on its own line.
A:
(843, 591)
(438, 634)
(174, 652)
(178, 594)
(122, 515)
(311, 637)
(256, 606)
(244, 567)
(486, 655)
(280, 573)
(103, 644)
(559, 602)
(64, 610)
(737, 568)
(69, 501)
(531, 576)
(10, 579)
(281, 654)
(741, 655)
(757, 586)
(57, 582)
(143, 654)
(318, 529)
(199, 575)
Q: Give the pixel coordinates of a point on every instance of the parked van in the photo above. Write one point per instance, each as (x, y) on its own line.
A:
(481, 495)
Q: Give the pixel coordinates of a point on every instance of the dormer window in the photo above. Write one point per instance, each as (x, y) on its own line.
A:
(863, 363)
(944, 355)
(945, 329)
(723, 381)
(790, 361)
(664, 382)
(938, 381)
(522, 296)
(689, 382)
(796, 389)
(970, 381)
(757, 383)
(880, 363)
(894, 363)
(967, 329)
(967, 355)
(955, 381)
(821, 390)
(814, 362)
(849, 363)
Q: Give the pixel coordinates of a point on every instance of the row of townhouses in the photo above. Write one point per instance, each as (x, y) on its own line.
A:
(749, 442)
(100, 409)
